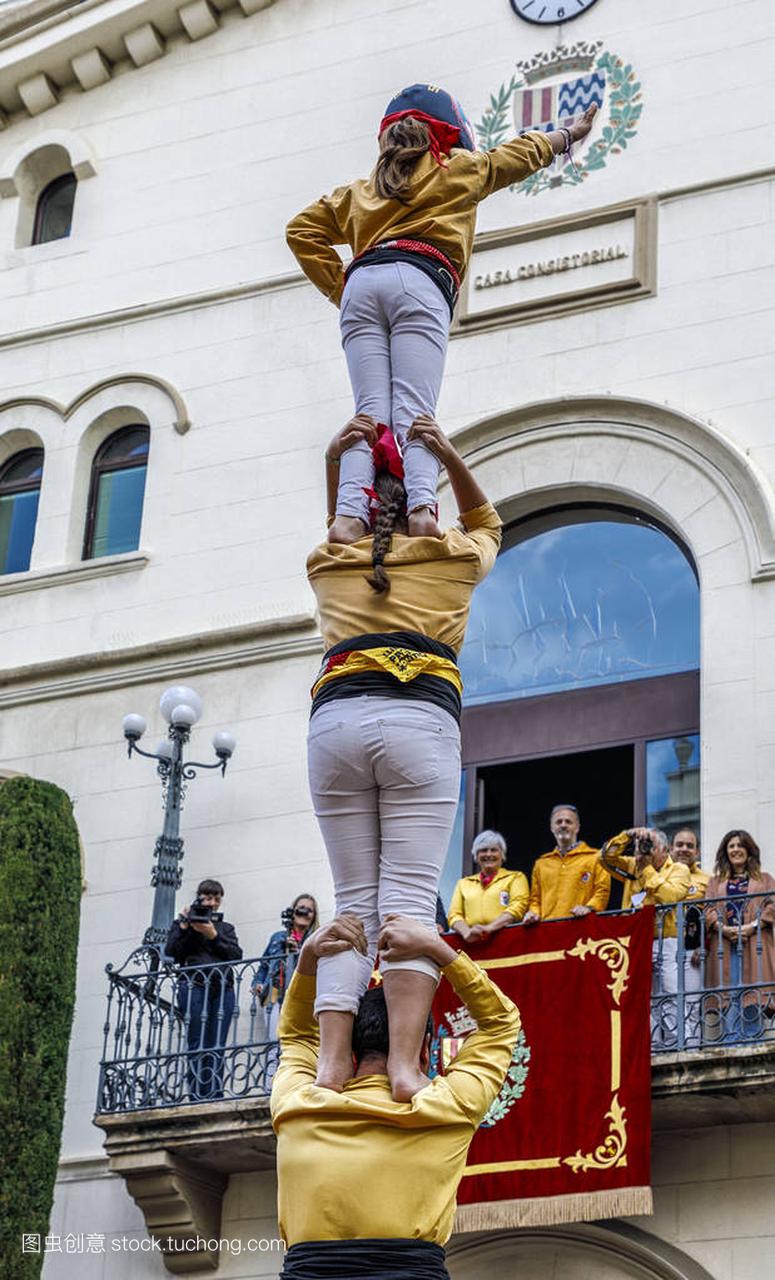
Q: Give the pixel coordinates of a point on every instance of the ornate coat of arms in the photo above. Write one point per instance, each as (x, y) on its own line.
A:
(551, 89)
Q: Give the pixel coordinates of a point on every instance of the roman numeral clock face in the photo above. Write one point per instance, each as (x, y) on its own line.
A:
(549, 12)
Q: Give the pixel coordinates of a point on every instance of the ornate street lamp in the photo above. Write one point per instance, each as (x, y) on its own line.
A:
(181, 708)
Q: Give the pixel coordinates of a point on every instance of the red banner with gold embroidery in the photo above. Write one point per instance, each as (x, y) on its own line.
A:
(569, 1136)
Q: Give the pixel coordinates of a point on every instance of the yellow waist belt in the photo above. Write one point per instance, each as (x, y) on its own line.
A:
(403, 664)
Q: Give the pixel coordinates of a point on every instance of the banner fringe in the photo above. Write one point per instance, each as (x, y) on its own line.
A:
(549, 1211)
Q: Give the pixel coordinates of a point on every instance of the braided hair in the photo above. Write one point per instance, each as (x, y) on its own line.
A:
(392, 512)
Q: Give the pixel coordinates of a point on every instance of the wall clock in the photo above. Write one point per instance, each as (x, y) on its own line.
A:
(549, 12)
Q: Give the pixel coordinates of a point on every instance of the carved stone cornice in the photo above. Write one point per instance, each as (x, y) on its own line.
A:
(267, 640)
(53, 47)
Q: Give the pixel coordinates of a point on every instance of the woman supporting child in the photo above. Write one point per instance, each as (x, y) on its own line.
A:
(384, 736)
(411, 228)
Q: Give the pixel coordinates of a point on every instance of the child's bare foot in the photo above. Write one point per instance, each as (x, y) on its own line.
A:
(422, 524)
(406, 1081)
(334, 1073)
(347, 529)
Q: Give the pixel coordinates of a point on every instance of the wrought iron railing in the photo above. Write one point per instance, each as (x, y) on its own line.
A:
(713, 977)
(178, 1036)
(174, 1036)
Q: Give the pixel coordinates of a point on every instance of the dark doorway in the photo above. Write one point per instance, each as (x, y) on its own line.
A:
(516, 798)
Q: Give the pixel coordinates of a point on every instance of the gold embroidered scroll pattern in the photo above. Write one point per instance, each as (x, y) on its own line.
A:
(615, 953)
(611, 1152)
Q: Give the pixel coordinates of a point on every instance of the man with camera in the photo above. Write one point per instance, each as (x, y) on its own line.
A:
(641, 858)
(199, 940)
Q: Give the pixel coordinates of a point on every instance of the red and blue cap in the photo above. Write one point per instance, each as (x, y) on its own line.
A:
(447, 122)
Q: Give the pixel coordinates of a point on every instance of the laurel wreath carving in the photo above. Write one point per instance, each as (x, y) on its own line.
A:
(513, 1086)
(615, 953)
(610, 1152)
(624, 92)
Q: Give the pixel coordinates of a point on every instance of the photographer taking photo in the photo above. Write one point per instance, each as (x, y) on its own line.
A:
(641, 858)
(278, 963)
(199, 939)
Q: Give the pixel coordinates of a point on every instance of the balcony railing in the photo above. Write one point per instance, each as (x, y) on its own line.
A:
(712, 976)
(175, 1036)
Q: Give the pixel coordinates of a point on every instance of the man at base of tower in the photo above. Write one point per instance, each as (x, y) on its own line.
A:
(366, 1185)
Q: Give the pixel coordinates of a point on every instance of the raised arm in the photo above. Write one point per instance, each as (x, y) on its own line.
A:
(515, 160)
(360, 427)
(578, 130)
(468, 492)
(614, 859)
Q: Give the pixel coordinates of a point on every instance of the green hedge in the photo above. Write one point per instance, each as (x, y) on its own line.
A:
(40, 894)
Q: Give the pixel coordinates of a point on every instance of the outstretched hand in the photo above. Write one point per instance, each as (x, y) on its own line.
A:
(360, 427)
(581, 127)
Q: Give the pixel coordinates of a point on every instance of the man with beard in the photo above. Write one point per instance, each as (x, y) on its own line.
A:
(569, 880)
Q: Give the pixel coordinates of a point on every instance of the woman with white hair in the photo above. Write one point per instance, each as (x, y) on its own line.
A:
(493, 897)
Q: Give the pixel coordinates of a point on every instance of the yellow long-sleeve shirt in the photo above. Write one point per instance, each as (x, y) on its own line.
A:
(476, 903)
(562, 881)
(699, 882)
(440, 207)
(431, 581)
(671, 883)
(356, 1164)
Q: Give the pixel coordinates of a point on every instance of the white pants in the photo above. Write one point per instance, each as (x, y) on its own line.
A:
(384, 775)
(694, 984)
(395, 328)
(664, 982)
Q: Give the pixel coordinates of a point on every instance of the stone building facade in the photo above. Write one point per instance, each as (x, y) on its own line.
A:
(613, 351)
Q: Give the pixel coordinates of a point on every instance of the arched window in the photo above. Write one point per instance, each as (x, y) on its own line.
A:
(19, 492)
(581, 683)
(581, 597)
(54, 210)
(115, 508)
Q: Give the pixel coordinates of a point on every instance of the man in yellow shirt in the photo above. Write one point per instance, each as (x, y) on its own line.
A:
(652, 878)
(486, 902)
(366, 1185)
(569, 880)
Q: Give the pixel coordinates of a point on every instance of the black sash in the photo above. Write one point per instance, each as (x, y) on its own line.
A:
(370, 1260)
(392, 1259)
(380, 684)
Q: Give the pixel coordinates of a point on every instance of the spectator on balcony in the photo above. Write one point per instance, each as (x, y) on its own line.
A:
(640, 857)
(205, 993)
(685, 848)
(366, 1185)
(569, 880)
(740, 945)
(280, 956)
(493, 897)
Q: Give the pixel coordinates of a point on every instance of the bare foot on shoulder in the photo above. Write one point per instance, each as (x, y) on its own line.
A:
(347, 529)
(406, 1081)
(334, 1074)
(423, 524)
